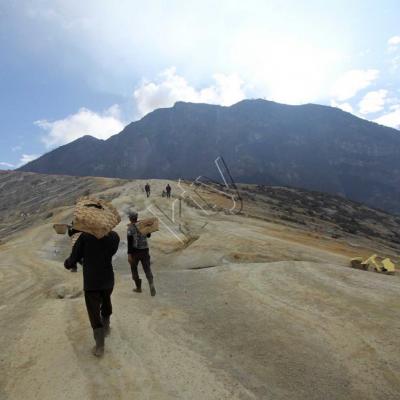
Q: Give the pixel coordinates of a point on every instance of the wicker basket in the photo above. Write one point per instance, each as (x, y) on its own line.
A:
(148, 225)
(61, 229)
(75, 237)
(95, 216)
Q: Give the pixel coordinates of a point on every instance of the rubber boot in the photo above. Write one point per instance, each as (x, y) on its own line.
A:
(152, 288)
(106, 326)
(138, 288)
(98, 334)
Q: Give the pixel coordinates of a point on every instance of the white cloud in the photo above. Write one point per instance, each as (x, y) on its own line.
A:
(6, 165)
(343, 106)
(283, 67)
(349, 84)
(394, 41)
(391, 118)
(373, 101)
(170, 87)
(84, 122)
(395, 63)
(393, 49)
(25, 158)
(16, 148)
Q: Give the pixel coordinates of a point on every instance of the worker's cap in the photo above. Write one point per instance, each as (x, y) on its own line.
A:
(132, 214)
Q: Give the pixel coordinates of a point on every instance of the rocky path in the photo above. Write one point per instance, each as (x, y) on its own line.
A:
(242, 312)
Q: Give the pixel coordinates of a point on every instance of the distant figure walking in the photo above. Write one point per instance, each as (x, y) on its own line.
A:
(98, 280)
(138, 250)
(168, 190)
(147, 189)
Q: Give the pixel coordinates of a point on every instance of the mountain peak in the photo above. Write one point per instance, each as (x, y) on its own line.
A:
(188, 104)
(88, 138)
(308, 146)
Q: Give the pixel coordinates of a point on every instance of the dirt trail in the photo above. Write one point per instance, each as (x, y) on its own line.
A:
(269, 318)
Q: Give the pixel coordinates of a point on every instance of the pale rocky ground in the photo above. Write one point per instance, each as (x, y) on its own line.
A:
(246, 308)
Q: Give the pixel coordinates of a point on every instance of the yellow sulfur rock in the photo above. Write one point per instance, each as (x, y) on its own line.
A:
(376, 262)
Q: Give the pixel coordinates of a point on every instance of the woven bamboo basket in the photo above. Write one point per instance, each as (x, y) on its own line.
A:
(75, 237)
(61, 229)
(148, 225)
(95, 216)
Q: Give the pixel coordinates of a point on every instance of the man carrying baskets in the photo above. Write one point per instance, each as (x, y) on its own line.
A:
(138, 250)
(95, 248)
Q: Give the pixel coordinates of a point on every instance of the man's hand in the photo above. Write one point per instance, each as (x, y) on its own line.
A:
(69, 265)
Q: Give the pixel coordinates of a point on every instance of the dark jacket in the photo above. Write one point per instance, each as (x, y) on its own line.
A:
(97, 256)
(136, 241)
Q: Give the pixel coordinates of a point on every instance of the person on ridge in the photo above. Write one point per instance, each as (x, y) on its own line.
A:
(138, 250)
(147, 189)
(98, 280)
(168, 190)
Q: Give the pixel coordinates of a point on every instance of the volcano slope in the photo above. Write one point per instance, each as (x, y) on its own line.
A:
(249, 306)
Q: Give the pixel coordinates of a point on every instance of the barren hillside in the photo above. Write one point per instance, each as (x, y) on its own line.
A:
(255, 305)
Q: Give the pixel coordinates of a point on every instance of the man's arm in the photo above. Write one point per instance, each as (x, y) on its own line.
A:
(129, 238)
(76, 254)
(129, 242)
(114, 242)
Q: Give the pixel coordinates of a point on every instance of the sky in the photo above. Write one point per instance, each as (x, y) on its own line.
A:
(78, 67)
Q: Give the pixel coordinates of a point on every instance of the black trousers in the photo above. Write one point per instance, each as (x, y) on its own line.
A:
(168, 194)
(144, 258)
(98, 305)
